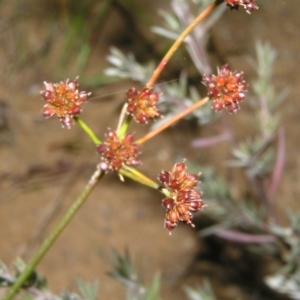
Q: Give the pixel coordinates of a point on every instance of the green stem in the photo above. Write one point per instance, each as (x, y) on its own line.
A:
(54, 234)
(124, 122)
(138, 177)
(88, 130)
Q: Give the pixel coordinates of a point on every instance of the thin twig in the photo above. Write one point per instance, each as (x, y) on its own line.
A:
(171, 121)
(178, 42)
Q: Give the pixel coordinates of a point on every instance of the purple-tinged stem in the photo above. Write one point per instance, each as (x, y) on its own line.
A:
(246, 238)
(279, 164)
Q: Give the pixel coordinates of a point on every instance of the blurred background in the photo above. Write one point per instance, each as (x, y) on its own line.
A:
(44, 167)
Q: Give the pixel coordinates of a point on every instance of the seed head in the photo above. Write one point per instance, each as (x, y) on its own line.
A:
(64, 100)
(141, 105)
(248, 5)
(226, 89)
(184, 199)
(117, 152)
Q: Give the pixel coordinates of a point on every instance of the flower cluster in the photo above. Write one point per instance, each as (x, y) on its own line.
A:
(64, 100)
(141, 105)
(226, 89)
(248, 5)
(183, 197)
(117, 152)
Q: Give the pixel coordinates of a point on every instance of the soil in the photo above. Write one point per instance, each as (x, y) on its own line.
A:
(44, 167)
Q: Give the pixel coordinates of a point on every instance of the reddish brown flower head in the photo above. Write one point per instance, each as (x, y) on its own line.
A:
(227, 89)
(248, 5)
(183, 197)
(141, 105)
(117, 152)
(64, 100)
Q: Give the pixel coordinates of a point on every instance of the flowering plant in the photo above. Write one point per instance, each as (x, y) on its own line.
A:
(119, 150)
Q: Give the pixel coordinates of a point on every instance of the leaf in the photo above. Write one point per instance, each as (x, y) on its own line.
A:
(203, 292)
(152, 292)
(89, 291)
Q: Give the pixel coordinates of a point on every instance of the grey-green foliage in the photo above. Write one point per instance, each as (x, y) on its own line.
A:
(285, 285)
(34, 280)
(174, 96)
(267, 97)
(183, 13)
(290, 238)
(287, 279)
(126, 67)
(221, 205)
(256, 154)
(69, 296)
(124, 271)
(178, 95)
(253, 154)
(263, 86)
(152, 292)
(204, 292)
(89, 291)
(35, 288)
(5, 278)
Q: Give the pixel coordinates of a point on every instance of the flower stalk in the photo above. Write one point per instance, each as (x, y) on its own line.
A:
(138, 177)
(120, 152)
(87, 130)
(178, 42)
(171, 121)
(54, 234)
(124, 121)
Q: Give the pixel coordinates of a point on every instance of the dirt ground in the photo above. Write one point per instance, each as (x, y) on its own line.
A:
(43, 167)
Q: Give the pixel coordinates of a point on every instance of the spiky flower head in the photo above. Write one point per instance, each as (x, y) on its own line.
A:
(141, 104)
(248, 5)
(64, 100)
(183, 198)
(227, 89)
(116, 152)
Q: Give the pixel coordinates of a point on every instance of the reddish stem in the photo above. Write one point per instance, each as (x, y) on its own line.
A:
(171, 121)
(177, 43)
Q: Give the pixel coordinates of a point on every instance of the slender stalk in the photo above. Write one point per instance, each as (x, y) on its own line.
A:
(171, 121)
(279, 164)
(178, 42)
(139, 177)
(124, 122)
(88, 130)
(54, 234)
